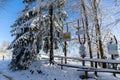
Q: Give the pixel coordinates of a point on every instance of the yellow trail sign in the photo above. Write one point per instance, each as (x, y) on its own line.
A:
(67, 36)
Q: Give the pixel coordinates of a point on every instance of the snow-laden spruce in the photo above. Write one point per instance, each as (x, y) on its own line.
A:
(32, 31)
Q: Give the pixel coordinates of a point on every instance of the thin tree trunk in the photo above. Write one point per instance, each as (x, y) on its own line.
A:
(87, 29)
(98, 31)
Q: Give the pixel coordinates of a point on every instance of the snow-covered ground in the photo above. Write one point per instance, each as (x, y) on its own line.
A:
(41, 70)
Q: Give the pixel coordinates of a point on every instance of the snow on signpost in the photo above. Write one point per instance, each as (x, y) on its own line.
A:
(112, 49)
(82, 51)
(82, 31)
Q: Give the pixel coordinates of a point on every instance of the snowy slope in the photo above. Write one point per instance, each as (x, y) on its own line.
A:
(41, 70)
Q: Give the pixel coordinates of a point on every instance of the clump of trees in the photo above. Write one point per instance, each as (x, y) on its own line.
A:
(40, 27)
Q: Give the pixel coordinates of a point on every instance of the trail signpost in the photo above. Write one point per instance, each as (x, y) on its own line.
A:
(112, 48)
(113, 51)
(82, 51)
(67, 36)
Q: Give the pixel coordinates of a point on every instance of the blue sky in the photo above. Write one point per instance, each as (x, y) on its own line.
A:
(8, 14)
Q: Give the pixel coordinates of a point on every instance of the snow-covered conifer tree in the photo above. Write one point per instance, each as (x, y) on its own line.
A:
(32, 31)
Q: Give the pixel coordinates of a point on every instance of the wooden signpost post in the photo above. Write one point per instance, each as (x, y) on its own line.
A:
(113, 51)
(66, 37)
(82, 47)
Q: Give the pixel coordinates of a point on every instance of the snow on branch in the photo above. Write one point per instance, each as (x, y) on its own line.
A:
(20, 41)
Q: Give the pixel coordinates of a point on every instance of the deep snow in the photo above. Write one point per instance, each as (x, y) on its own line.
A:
(42, 70)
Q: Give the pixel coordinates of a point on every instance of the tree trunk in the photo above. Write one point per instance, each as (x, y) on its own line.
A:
(87, 29)
(98, 31)
(51, 35)
(65, 52)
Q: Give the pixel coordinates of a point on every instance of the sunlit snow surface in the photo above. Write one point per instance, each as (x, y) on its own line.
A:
(49, 72)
